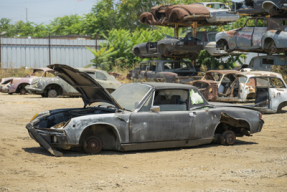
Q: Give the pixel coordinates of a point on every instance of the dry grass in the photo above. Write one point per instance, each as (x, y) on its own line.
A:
(13, 72)
(282, 70)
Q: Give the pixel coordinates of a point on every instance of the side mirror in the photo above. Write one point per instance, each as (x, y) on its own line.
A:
(155, 109)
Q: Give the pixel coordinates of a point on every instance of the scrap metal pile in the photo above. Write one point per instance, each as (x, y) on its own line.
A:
(266, 34)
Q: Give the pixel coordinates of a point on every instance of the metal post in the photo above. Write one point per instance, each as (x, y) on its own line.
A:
(176, 30)
(0, 53)
(96, 41)
(49, 49)
(194, 28)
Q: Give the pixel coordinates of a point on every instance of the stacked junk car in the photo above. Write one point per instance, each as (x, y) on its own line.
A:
(169, 105)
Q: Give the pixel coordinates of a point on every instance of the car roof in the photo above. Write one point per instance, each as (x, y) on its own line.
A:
(159, 85)
(43, 69)
(223, 71)
(211, 3)
(261, 73)
(165, 61)
(271, 56)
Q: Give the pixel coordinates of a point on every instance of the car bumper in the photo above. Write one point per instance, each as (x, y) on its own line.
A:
(34, 90)
(49, 139)
(260, 125)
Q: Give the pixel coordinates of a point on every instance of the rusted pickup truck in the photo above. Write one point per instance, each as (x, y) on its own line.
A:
(173, 71)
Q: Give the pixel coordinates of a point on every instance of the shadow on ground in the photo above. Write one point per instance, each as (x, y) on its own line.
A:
(81, 153)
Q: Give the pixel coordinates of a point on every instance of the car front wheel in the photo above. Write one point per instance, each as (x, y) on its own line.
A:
(52, 93)
(93, 145)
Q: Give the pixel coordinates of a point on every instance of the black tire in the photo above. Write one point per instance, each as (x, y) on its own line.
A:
(228, 138)
(44, 95)
(10, 93)
(52, 93)
(93, 145)
(22, 91)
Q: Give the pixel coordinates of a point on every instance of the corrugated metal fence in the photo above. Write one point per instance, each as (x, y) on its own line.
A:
(20, 52)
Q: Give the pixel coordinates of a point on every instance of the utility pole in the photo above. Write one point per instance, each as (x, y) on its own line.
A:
(26, 15)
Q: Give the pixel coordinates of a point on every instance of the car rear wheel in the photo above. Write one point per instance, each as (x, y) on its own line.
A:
(22, 91)
(93, 145)
(272, 48)
(228, 138)
(52, 93)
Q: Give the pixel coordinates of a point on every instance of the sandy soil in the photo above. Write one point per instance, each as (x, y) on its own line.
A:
(257, 163)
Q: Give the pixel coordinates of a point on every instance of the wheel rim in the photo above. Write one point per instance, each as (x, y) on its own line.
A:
(52, 93)
(228, 138)
(93, 145)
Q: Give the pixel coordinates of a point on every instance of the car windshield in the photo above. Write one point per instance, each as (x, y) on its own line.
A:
(37, 73)
(213, 76)
(176, 66)
(130, 95)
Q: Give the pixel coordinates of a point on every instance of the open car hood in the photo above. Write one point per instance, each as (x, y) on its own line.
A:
(89, 88)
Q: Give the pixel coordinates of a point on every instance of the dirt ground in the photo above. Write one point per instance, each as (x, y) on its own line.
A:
(257, 163)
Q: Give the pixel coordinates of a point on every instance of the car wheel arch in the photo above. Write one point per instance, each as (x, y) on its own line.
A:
(110, 141)
(21, 86)
(280, 106)
(221, 43)
(267, 42)
(221, 126)
(137, 51)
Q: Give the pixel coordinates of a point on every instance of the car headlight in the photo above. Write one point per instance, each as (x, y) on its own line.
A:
(180, 43)
(199, 43)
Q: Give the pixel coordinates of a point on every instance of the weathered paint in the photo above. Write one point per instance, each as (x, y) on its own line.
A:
(133, 129)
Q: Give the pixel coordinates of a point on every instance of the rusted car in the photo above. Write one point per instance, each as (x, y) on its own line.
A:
(215, 82)
(259, 7)
(17, 84)
(261, 34)
(171, 71)
(139, 116)
(208, 13)
(219, 13)
(209, 43)
(267, 90)
(208, 88)
(188, 47)
(268, 62)
(54, 86)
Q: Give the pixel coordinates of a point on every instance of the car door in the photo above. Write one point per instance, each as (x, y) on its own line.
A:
(173, 121)
(259, 31)
(244, 36)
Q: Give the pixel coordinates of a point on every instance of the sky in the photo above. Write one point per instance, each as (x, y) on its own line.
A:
(43, 11)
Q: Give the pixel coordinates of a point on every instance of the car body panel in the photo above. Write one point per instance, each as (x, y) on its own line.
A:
(141, 128)
(13, 86)
(165, 71)
(260, 7)
(270, 96)
(256, 39)
(184, 14)
(90, 89)
(40, 85)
